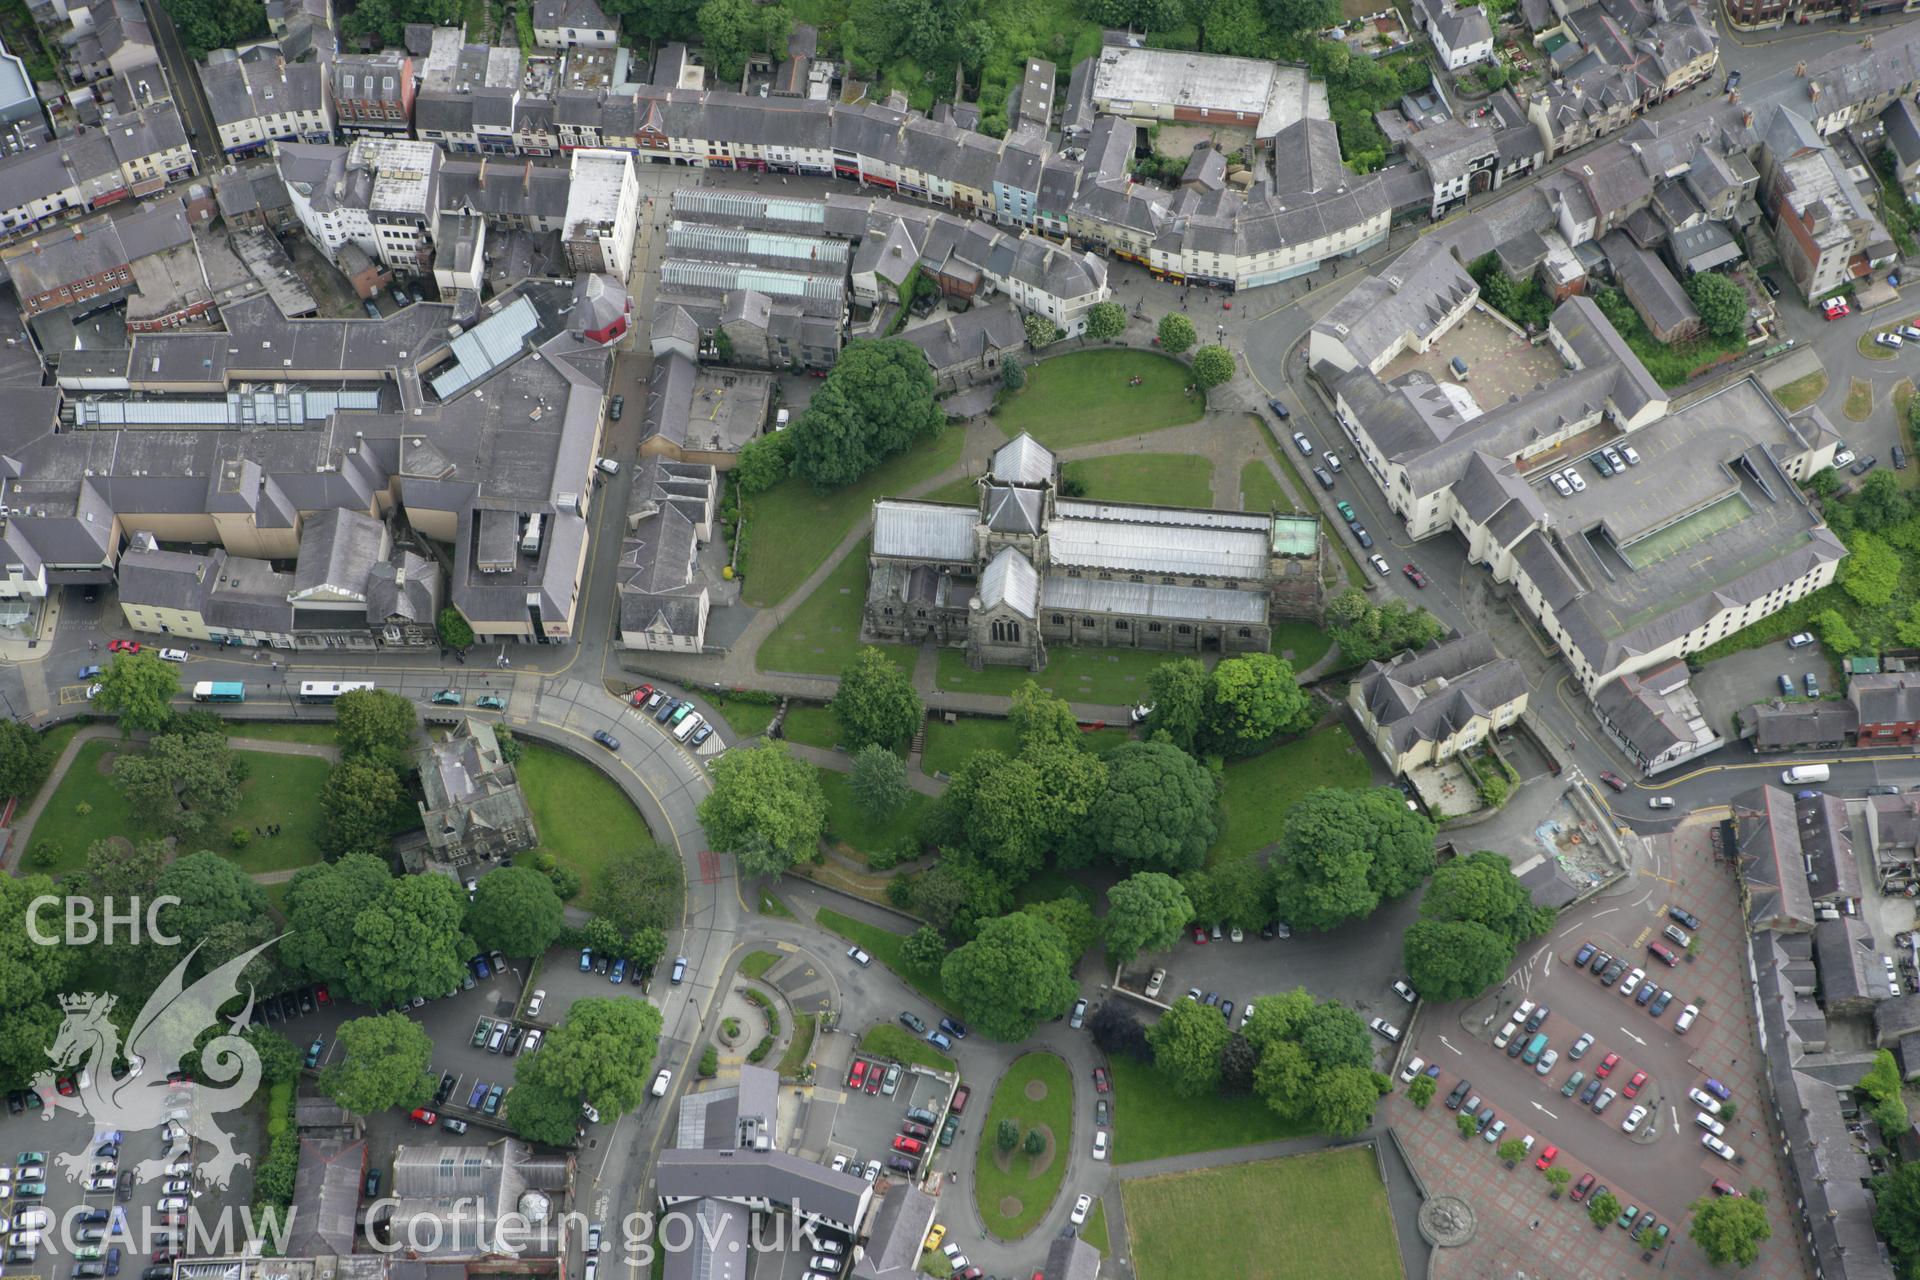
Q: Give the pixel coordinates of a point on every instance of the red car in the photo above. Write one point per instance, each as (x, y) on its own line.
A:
(123, 646)
(1607, 1064)
(1581, 1187)
(1101, 1084)
(639, 696)
(321, 997)
(1834, 308)
(1547, 1157)
(65, 1085)
(1414, 576)
(1633, 1086)
(960, 1097)
(874, 1076)
(907, 1146)
(857, 1076)
(1613, 780)
(420, 1115)
(1200, 935)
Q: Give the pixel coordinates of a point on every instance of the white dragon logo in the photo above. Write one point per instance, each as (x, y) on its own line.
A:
(173, 1018)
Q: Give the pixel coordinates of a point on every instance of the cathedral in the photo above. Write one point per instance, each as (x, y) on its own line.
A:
(1027, 568)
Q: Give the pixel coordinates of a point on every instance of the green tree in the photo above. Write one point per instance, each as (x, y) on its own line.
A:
(1187, 1043)
(358, 801)
(1106, 320)
(1342, 852)
(1008, 1135)
(31, 978)
(373, 722)
(923, 951)
(24, 759)
(409, 943)
(1013, 374)
(455, 631)
(879, 780)
(766, 807)
(959, 892)
(878, 400)
(212, 892)
(1243, 894)
(1036, 1142)
(321, 903)
(515, 912)
(1882, 1084)
(1251, 699)
(1365, 631)
(118, 867)
(1176, 333)
(1041, 332)
(1177, 690)
(1557, 1179)
(1300, 17)
(181, 784)
(1605, 1208)
(876, 702)
(1510, 1151)
(1238, 1066)
(140, 689)
(1722, 304)
(1040, 719)
(279, 1060)
(1836, 635)
(1871, 573)
(385, 21)
(1881, 502)
(640, 887)
(212, 24)
(764, 462)
(1073, 918)
(1344, 1099)
(1420, 1092)
(385, 1060)
(732, 31)
(1145, 912)
(1453, 959)
(1158, 811)
(1014, 973)
(1896, 1213)
(1481, 887)
(539, 1113)
(603, 1052)
(1465, 1124)
(1729, 1229)
(1071, 780)
(1822, 483)
(1213, 365)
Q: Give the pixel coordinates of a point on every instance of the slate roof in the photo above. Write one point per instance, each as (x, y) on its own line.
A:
(923, 530)
(1893, 698)
(1022, 460)
(1770, 862)
(1428, 696)
(1010, 579)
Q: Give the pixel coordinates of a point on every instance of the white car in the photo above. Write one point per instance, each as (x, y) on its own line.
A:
(859, 957)
(31, 1219)
(1634, 1117)
(173, 655)
(1842, 457)
(1525, 1011)
(1154, 982)
(1631, 983)
(1685, 1020)
(1626, 451)
(1707, 1122)
(1380, 566)
(1402, 989)
(1381, 1027)
(1081, 1207)
(1246, 1011)
(1235, 935)
(534, 1002)
(1304, 445)
(1413, 1069)
(1700, 1098)
(1716, 1146)
(1506, 1034)
(1560, 483)
(661, 1081)
(1100, 1144)
(1888, 340)
(840, 1163)
(872, 1170)
(591, 1112)
(1575, 479)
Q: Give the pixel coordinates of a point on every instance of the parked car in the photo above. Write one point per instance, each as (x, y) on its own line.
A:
(1324, 477)
(1279, 409)
(1381, 1027)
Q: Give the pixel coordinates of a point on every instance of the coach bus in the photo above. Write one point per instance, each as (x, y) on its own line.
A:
(328, 690)
(219, 691)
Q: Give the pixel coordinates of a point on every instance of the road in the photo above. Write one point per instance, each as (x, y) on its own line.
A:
(186, 88)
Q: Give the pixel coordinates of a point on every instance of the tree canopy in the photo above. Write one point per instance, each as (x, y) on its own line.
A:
(382, 1061)
(1073, 918)
(24, 759)
(604, 1051)
(1250, 700)
(1106, 320)
(31, 978)
(359, 800)
(408, 943)
(140, 689)
(879, 780)
(1158, 811)
(1187, 1043)
(373, 722)
(1366, 631)
(1212, 365)
(1896, 1213)
(1014, 973)
(1315, 1064)
(1177, 690)
(213, 24)
(640, 888)
(321, 903)
(876, 702)
(878, 400)
(1722, 304)
(181, 783)
(1472, 921)
(1342, 852)
(766, 808)
(732, 31)
(1176, 333)
(515, 912)
(1730, 1229)
(1145, 912)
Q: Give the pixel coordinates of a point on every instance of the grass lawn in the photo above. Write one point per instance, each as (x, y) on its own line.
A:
(791, 529)
(747, 718)
(822, 633)
(769, 905)
(810, 726)
(1300, 643)
(1114, 676)
(1083, 398)
(317, 733)
(949, 745)
(1252, 1220)
(883, 945)
(1872, 350)
(582, 817)
(1859, 402)
(1151, 1121)
(794, 1061)
(279, 788)
(965, 491)
(859, 834)
(757, 964)
(1094, 1229)
(1165, 479)
(1260, 490)
(1801, 392)
(889, 1041)
(1259, 790)
(1013, 1199)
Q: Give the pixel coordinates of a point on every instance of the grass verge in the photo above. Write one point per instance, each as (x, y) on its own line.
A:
(889, 1041)
(313, 733)
(1258, 791)
(1164, 479)
(1083, 397)
(1117, 677)
(1250, 1220)
(1151, 1121)
(1013, 1190)
(858, 832)
(1803, 391)
(810, 726)
(794, 1061)
(883, 945)
(1094, 1229)
(769, 905)
(1261, 490)
(1859, 402)
(821, 633)
(757, 964)
(582, 817)
(747, 719)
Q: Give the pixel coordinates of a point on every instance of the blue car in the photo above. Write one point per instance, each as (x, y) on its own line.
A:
(1786, 684)
(619, 974)
(479, 966)
(667, 708)
(586, 959)
(88, 673)
(939, 1040)
(958, 1030)
(478, 1095)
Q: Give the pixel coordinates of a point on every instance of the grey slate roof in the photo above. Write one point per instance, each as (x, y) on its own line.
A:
(1022, 460)
(338, 549)
(1426, 697)
(954, 340)
(1893, 698)
(1010, 579)
(1770, 865)
(774, 1177)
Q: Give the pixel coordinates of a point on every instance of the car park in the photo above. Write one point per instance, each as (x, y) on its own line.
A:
(1592, 1091)
(1572, 1086)
(1560, 483)
(1603, 1100)
(1582, 1188)
(1459, 1092)
(1716, 1146)
(1631, 983)
(1704, 1121)
(1684, 1022)
(1483, 1119)
(1547, 1157)
(1612, 975)
(1548, 1061)
(1660, 1003)
(1600, 961)
(1574, 478)
(1492, 1136)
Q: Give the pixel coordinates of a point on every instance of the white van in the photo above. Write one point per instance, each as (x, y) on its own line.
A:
(686, 727)
(1806, 773)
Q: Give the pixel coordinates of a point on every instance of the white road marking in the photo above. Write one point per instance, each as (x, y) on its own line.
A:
(1571, 928)
(1676, 1117)
(1546, 970)
(1609, 911)
(1448, 1043)
(1636, 1039)
(1542, 1110)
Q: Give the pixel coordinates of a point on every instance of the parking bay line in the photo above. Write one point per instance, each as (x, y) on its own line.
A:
(1542, 1110)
